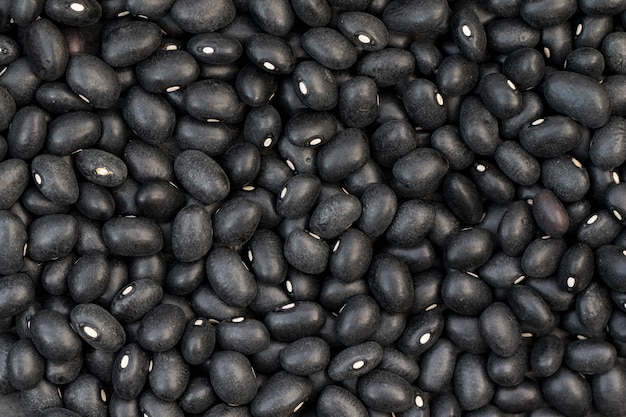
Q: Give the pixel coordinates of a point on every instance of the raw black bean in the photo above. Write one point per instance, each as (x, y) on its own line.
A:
(13, 232)
(80, 13)
(136, 299)
(508, 372)
(93, 80)
(212, 100)
(167, 71)
(236, 221)
(169, 375)
(280, 395)
(203, 16)
(199, 396)
(557, 91)
(568, 392)
(469, 248)
(266, 257)
(424, 104)
(53, 337)
(230, 277)
(43, 396)
(130, 43)
(416, 17)
(149, 116)
(534, 315)
(161, 328)
(52, 236)
(472, 385)
(335, 401)
(329, 47)
(522, 398)
(576, 268)
(306, 251)
(198, 341)
(55, 178)
(598, 229)
(130, 371)
(546, 355)
(606, 391)
(271, 53)
(274, 17)
(132, 236)
(550, 214)
(247, 336)
(607, 149)
(385, 391)
(152, 405)
(295, 320)
(201, 176)
(25, 366)
(478, 126)
(500, 329)
(305, 356)
(357, 320)
(421, 333)
(192, 233)
(590, 356)
(97, 327)
(509, 34)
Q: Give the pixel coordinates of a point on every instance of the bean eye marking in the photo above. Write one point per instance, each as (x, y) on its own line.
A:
(439, 98)
(579, 29)
(283, 192)
(250, 255)
(315, 236)
(299, 406)
(238, 319)
(77, 7)
(267, 142)
(431, 307)
(363, 38)
(466, 31)
(315, 141)
(84, 98)
(511, 85)
(103, 395)
(288, 306)
(198, 322)
(124, 362)
(104, 171)
(172, 88)
(37, 178)
(269, 66)
(290, 165)
(25, 247)
(336, 246)
(208, 50)
(546, 51)
(288, 286)
(419, 401)
(519, 279)
(617, 215)
(90, 331)
(358, 364)
(128, 290)
(303, 88)
(424, 338)
(537, 122)
(571, 281)
(592, 219)
(481, 168)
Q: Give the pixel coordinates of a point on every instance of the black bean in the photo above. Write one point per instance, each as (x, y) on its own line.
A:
(506, 35)
(236, 221)
(80, 13)
(93, 80)
(357, 320)
(550, 214)
(534, 315)
(335, 401)
(295, 320)
(576, 268)
(203, 16)
(509, 371)
(416, 17)
(169, 375)
(305, 356)
(151, 405)
(132, 236)
(546, 355)
(469, 34)
(25, 366)
(43, 396)
(130, 371)
(477, 393)
(199, 396)
(568, 392)
(53, 337)
(201, 176)
(329, 47)
(522, 398)
(385, 391)
(212, 100)
(598, 229)
(280, 395)
(230, 277)
(161, 328)
(606, 389)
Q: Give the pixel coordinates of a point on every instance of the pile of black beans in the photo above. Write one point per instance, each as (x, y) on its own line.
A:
(333, 208)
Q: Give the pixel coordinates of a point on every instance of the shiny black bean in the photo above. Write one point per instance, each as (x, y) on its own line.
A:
(47, 50)
(280, 395)
(213, 101)
(130, 371)
(606, 389)
(192, 233)
(55, 179)
(590, 356)
(161, 328)
(247, 336)
(293, 321)
(149, 116)
(478, 126)
(385, 391)
(335, 401)
(214, 48)
(152, 405)
(198, 341)
(305, 356)
(229, 276)
(607, 149)
(15, 173)
(469, 248)
(53, 337)
(169, 375)
(201, 176)
(421, 170)
(456, 75)
(274, 17)
(357, 320)
(598, 229)
(500, 329)
(542, 256)
(266, 257)
(130, 43)
(334, 215)
(550, 214)
(546, 355)
(97, 327)
(271, 53)
(93, 80)
(509, 371)
(421, 332)
(52, 236)
(25, 366)
(509, 34)
(416, 17)
(329, 47)
(469, 34)
(531, 310)
(472, 385)
(132, 236)
(236, 221)
(167, 71)
(568, 392)
(136, 299)
(13, 251)
(79, 13)
(20, 81)
(43, 396)
(424, 104)
(199, 396)
(101, 167)
(203, 16)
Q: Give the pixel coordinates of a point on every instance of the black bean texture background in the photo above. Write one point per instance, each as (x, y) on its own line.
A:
(315, 208)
